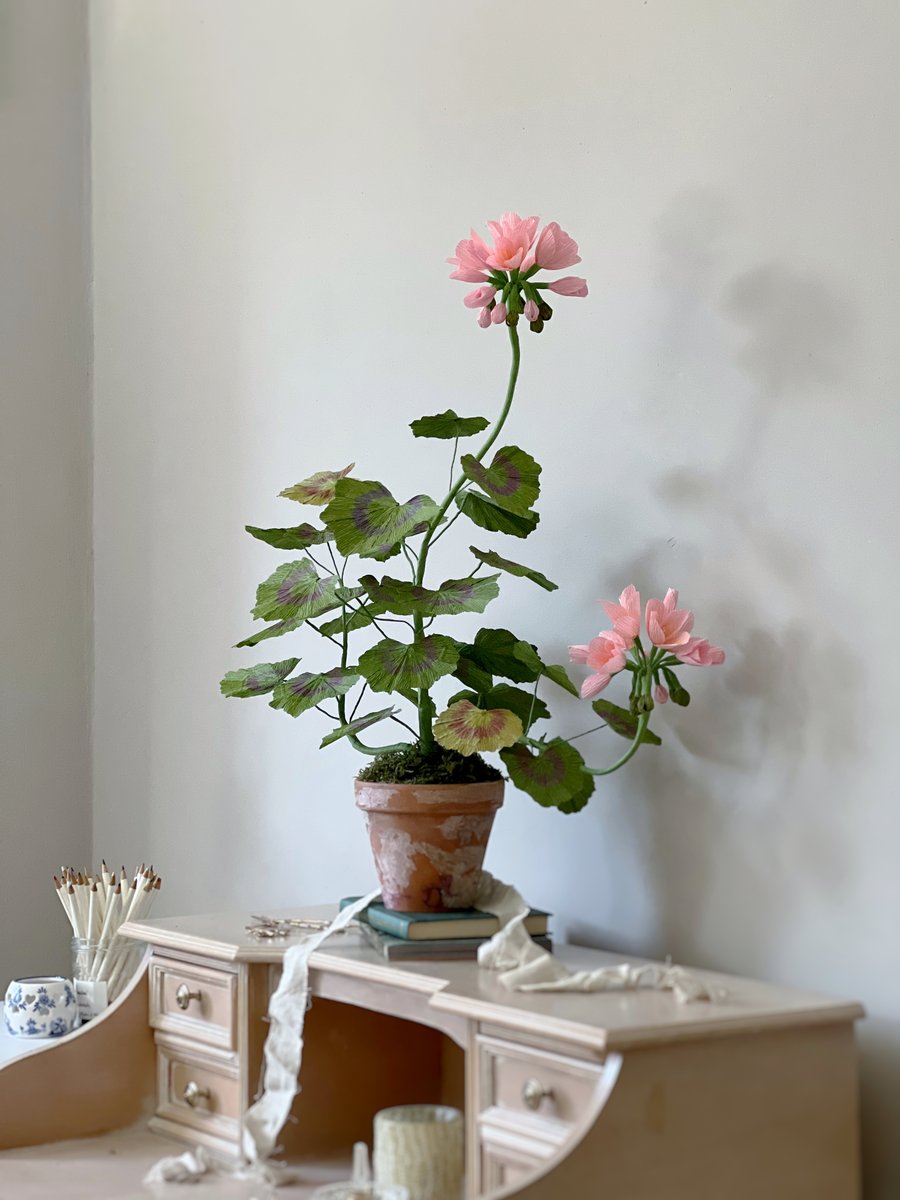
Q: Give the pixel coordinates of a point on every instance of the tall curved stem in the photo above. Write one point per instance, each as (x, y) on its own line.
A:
(426, 737)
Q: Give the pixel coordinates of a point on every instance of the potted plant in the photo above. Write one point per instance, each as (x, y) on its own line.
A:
(430, 798)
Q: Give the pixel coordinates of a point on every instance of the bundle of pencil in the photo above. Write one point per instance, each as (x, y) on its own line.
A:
(97, 905)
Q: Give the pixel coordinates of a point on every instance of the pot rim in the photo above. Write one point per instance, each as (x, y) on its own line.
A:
(438, 798)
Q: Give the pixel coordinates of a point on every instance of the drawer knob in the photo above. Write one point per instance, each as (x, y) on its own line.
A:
(194, 1093)
(184, 995)
(533, 1092)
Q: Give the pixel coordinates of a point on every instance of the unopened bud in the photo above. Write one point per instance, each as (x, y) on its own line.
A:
(545, 310)
(512, 319)
(536, 326)
(498, 316)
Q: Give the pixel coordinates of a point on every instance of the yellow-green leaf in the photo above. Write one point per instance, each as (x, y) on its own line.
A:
(470, 730)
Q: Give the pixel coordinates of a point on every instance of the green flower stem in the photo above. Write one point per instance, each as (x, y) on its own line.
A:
(643, 722)
(426, 735)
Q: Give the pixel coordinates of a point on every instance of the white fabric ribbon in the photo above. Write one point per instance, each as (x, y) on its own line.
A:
(522, 966)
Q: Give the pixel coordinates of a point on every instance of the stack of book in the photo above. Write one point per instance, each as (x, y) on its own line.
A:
(452, 935)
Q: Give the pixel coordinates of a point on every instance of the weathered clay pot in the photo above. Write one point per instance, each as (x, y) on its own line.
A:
(429, 840)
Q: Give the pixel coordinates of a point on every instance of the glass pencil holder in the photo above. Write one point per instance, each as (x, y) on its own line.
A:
(101, 970)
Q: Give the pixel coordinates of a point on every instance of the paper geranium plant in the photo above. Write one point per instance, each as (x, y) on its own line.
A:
(357, 577)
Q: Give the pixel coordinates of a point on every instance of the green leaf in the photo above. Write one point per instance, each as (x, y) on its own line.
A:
(494, 519)
(554, 775)
(473, 676)
(271, 631)
(397, 666)
(453, 596)
(471, 730)
(357, 618)
(560, 676)
(294, 592)
(512, 480)
(677, 694)
(305, 691)
(500, 652)
(517, 700)
(366, 519)
(301, 537)
(256, 681)
(356, 726)
(491, 559)
(624, 723)
(448, 425)
(318, 489)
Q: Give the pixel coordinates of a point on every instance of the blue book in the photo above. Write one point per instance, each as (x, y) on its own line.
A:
(431, 927)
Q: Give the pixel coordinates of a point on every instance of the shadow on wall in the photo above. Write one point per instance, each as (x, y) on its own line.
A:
(775, 702)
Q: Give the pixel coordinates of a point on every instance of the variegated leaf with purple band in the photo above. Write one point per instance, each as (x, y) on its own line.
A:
(295, 592)
(392, 666)
(305, 691)
(356, 726)
(470, 730)
(553, 775)
(452, 597)
(366, 519)
(318, 489)
(526, 705)
(512, 480)
(300, 537)
(258, 680)
(270, 631)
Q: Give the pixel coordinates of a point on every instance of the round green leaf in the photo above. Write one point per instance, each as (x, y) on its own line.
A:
(305, 691)
(448, 425)
(484, 513)
(624, 723)
(471, 730)
(452, 597)
(554, 775)
(366, 519)
(392, 666)
(511, 480)
(294, 592)
(300, 537)
(500, 652)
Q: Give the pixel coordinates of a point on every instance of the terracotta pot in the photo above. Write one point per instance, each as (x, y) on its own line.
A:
(429, 840)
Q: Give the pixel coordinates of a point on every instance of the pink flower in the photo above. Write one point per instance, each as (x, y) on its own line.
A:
(531, 311)
(481, 295)
(661, 694)
(606, 655)
(626, 615)
(498, 314)
(667, 625)
(513, 236)
(569, 285)
(697, 652)
(470, 260)
(484, 318)
(555, 249)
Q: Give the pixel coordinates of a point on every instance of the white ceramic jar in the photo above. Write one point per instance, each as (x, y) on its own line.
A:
(41, 1006)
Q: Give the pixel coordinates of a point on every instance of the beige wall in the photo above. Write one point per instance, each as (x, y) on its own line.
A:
(45, 469)
(276, 187)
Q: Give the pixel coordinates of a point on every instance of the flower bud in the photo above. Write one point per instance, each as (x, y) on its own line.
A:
(531, 311)
(546, 312)
(498, 316)
(484, 318)
(512, 319)
(661, 693)
(536, 326)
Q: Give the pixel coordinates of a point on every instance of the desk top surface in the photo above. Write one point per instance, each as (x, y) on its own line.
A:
(611, 1019)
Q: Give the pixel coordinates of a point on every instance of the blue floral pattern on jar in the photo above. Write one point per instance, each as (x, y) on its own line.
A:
(28, 1010)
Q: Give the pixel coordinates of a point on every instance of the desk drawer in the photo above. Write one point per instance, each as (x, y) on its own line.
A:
(521, 1080)
(194, 1002)
(198, 1091)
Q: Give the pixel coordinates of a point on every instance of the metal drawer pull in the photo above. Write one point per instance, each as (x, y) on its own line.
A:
(184, 996)
(194, 1093)
(533, 1092)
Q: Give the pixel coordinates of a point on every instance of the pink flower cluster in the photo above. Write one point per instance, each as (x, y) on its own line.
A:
(508, 267)
(668, 629)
